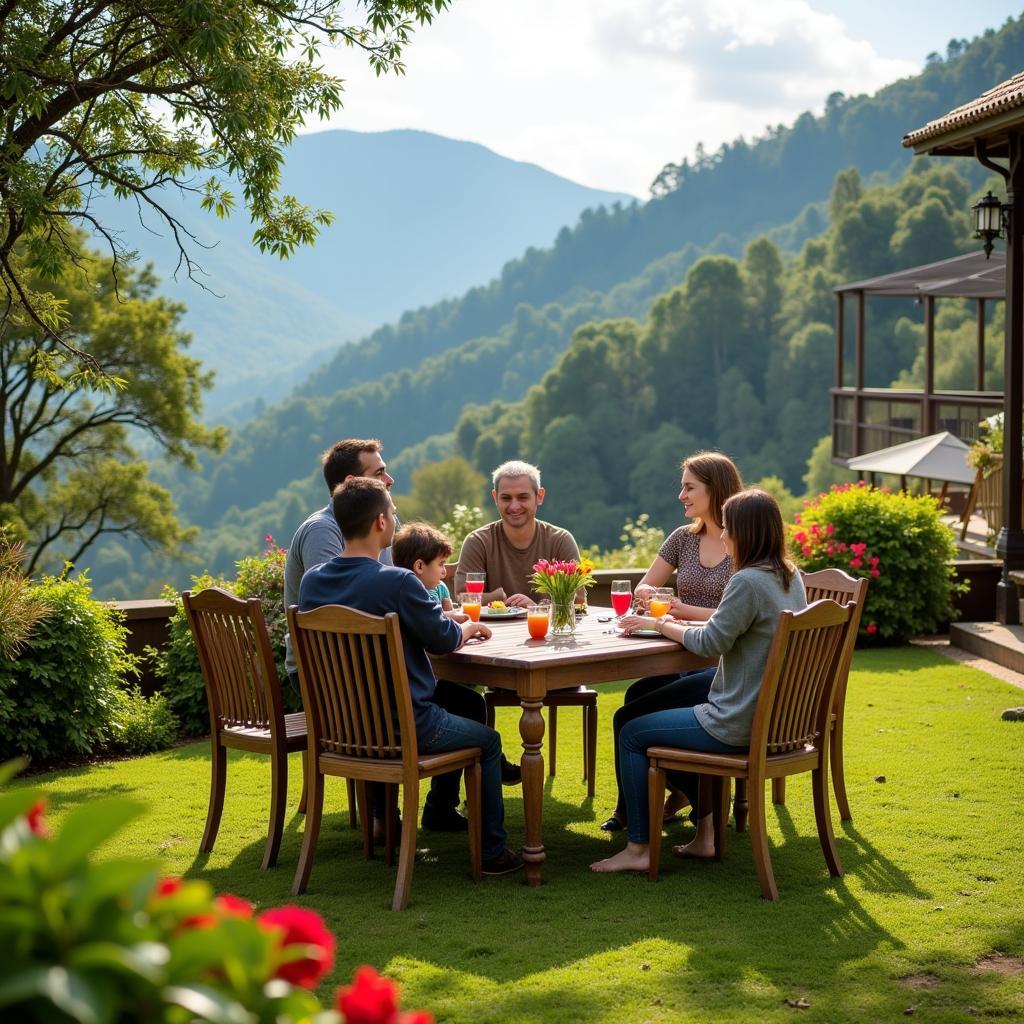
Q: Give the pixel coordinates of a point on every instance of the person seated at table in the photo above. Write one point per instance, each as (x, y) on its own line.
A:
(740, 632)
(703, 569)
(424, 550)
(507, 549)
(357, 579)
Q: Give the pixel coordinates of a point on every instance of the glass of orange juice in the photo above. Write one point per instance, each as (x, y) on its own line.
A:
(537, 618)
(471, 605)
(659, 603)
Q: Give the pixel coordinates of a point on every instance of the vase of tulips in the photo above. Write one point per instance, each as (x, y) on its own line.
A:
(561, 581)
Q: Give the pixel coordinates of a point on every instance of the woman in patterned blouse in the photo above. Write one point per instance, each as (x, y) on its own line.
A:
(703, 568)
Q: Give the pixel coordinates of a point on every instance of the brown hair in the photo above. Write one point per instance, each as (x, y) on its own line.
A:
(356, 503)
(718, 473)
(754, 524)
(419, 540)
(345, 458)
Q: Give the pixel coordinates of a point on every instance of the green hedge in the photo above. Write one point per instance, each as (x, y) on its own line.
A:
(58, 695)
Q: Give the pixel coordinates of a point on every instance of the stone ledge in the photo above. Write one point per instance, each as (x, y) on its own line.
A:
(1001, 644)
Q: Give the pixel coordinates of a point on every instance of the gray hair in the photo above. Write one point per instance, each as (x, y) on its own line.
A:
(512, 470)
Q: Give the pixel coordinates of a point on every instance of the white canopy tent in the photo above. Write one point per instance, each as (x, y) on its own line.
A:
(936, 457)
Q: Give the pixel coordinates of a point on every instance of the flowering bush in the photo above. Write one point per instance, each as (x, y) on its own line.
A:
(177, 663)
(895, 540)
(464, 520)
(113, 943)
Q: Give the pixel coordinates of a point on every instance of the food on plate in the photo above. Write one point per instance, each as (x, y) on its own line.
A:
(498, 606)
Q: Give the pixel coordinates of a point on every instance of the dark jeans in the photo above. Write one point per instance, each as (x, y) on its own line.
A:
(656, 693)
(454, 732)
(676, 728)
(458, 700)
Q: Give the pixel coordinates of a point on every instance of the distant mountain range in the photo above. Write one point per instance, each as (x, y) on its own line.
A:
(419, 218)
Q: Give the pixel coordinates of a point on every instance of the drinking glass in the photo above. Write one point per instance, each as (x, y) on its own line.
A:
(659, 603)
(471, 605)
(537, 618)
(622, 596)
(475, 582)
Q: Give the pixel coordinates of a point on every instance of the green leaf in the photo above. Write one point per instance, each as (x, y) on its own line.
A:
(77, 996)
(207, 1004)
(144, 960)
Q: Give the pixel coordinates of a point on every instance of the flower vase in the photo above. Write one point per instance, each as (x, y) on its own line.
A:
(563, 618)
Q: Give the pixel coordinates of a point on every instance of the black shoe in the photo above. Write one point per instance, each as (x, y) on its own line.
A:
(511, 774)
(504, 864)
(612, 825)
(449, 820)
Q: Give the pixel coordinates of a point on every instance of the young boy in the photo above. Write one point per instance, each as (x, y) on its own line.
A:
(424, 550)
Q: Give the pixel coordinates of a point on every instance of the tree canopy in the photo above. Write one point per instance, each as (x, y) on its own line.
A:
(70, 468)
(99, 96)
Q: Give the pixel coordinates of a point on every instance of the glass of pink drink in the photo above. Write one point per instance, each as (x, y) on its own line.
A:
(622, 596)
(475, 582)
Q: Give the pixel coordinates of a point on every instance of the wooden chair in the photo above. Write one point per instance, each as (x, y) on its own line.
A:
(244, 695)
(360, 719)
(576, 697)
(835, 585)
(986, 498)
(789, 735)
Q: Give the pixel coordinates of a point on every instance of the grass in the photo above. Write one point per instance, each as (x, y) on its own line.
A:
(933, 863)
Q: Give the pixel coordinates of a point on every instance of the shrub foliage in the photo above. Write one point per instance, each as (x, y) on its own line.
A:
(58, 696)
(895, 540)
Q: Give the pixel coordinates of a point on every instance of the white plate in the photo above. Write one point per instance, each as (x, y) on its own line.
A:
(508, 613)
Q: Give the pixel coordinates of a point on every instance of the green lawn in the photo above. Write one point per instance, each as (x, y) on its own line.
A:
(933, 863)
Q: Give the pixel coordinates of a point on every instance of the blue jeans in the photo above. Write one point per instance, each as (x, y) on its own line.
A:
(455, 732)
(657, 693)
(677, 728)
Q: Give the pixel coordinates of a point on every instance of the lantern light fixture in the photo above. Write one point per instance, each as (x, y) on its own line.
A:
(990, 220)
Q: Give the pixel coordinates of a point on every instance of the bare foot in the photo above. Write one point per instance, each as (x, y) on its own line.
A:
(635, 857)
(674, 803)
(702, 849)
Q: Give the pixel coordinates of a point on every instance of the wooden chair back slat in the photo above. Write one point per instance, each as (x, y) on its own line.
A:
(352, 670)
(799, 679)
(836, 585)
(236, 659)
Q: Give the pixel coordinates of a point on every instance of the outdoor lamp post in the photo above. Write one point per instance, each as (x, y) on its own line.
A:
(989, 219)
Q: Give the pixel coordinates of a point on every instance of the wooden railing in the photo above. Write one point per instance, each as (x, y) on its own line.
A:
(868, 419)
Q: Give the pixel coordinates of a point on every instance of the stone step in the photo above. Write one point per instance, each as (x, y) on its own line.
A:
(1002, 644)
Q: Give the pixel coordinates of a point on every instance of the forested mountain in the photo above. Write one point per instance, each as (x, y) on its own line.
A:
(418, 217)
(713, 340)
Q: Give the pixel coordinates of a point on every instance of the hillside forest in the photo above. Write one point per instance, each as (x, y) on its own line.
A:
(644, 333)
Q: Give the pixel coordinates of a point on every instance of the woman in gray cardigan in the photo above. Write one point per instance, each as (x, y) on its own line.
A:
(740, 632)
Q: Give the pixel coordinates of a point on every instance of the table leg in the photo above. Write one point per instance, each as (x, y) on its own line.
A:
(531, 729)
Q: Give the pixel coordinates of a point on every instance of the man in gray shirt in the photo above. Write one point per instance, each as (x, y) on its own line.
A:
(319, 539)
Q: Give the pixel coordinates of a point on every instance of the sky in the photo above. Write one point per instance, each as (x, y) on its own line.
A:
(606, 92)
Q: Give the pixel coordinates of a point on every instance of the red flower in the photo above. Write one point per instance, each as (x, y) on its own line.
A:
(830, 528)
(167, 886)
(807, 550)
(798, 519)
(875, 573)
(800, 537)
(233, 906)
(856, 563)
(301, 927)
(373, 999)
(872, 628)
(34, 817)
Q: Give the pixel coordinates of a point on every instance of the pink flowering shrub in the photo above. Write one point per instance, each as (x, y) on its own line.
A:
(897, 541)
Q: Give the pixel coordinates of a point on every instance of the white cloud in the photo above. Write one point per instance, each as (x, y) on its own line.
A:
(608, 91)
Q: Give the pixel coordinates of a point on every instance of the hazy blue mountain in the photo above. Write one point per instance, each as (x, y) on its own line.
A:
(418, 218)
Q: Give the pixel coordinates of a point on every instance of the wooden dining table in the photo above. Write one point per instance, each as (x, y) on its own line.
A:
(511, 660)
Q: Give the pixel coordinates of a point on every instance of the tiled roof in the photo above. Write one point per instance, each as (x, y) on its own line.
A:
(1007, 96)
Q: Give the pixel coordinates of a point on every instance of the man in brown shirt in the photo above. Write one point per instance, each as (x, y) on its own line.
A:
(506, 550)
